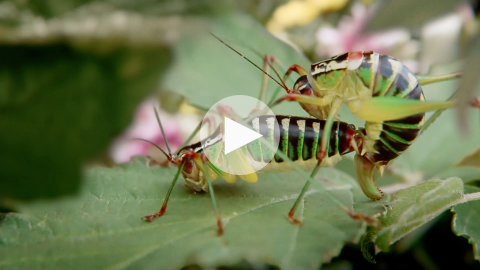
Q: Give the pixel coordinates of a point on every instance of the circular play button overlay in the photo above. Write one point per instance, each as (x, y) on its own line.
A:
(240, 135)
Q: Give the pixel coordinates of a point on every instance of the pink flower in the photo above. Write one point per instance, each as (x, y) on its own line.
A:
(145, 126)
(349, 36)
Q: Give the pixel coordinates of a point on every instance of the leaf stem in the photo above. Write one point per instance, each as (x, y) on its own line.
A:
(471, 197)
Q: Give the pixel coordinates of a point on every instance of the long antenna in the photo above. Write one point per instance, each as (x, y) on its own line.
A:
(163, 132)
(154, 144)
(251, 62)
(269, 63)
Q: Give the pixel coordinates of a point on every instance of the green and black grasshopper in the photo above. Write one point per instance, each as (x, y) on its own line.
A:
(377, 88)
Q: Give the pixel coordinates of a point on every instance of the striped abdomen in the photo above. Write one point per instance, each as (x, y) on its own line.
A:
(394, 79)
(300, 139)
(377, 75)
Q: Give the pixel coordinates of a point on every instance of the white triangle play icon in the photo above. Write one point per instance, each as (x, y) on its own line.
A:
(237, 135)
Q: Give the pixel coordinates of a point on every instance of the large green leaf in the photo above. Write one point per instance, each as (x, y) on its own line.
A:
(205, 70)
(467, 219)
(101, 227)
(409, 209)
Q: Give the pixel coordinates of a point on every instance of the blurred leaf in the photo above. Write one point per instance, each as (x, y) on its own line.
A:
(470, 85)
(409, 13)
(69, 84)
(467, 174)
(205, 70)
(409, 209)
(101, 227)
(467, 219)
(53, 8)
(60, 107)
(472, 160)
(98, 27)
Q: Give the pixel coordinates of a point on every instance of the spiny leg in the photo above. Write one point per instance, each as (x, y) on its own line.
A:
(294, 68)
(303, 174)
(436, 115)
(474, 103)
(218, 215)
(291, 213)
(267, 63)
(324, 101)
(328, 129)
(165, 201)
(320, 156)
(428, 79)
(386, 108)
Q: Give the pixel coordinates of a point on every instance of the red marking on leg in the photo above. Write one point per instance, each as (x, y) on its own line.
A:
(320, 155)
(292, 219)
(165, 163)
(295, 67)
(220, 227)
(269, 58)
(476, 102)
(289, 97)
(151, 218)
(159, 163)
(370, 221)
(355, 55)
(219, 223)
(160, 213)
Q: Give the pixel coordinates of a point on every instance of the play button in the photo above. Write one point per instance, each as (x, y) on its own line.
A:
(238, 134)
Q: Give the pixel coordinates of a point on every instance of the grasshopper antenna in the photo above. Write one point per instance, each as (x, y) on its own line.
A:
(154, 144)
(163, 132)
(251, 62)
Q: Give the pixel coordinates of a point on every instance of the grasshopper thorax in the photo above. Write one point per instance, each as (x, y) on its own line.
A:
(190, 157)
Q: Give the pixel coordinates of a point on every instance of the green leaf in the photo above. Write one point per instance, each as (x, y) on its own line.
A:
(466, 221)
(101, 227)
(409, 13)
(205, 70)
(409, 209)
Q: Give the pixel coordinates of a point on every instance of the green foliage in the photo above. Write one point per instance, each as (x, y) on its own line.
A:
(101, 226)
(466, 220)
(215, 72)
(409, 209)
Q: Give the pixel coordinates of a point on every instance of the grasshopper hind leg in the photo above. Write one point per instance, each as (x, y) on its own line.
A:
(291, 213)
(162, 210)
